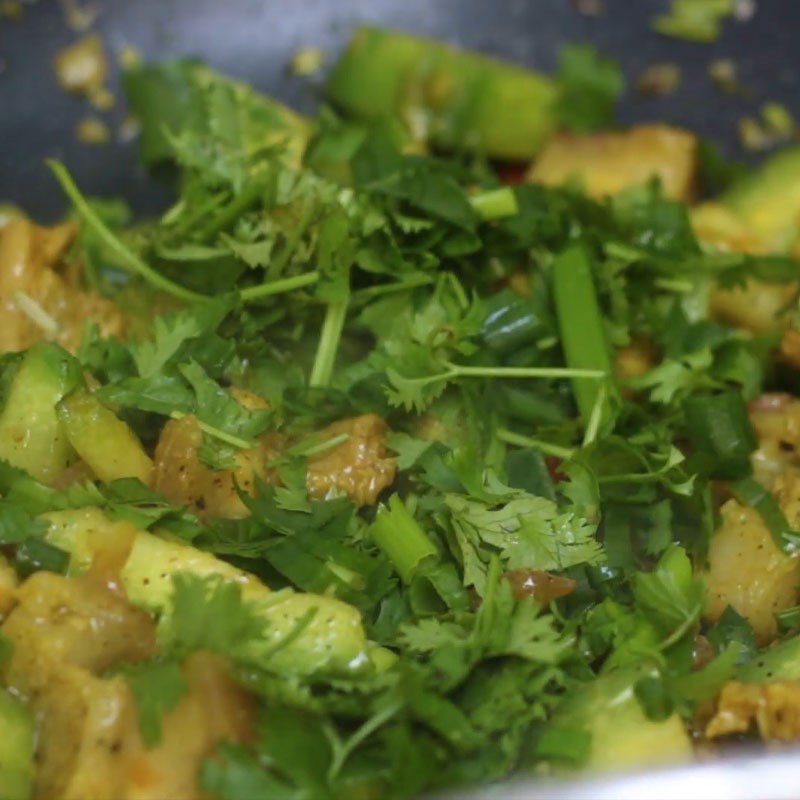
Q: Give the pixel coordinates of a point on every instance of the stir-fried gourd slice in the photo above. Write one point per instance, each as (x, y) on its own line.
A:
(213, 709)
(39, 299)
(622, 735)
(759, 214)
(454, 99)
(768, 200)
(66, 633)
(109, 447)
(776, 421)
(772, 708)
(8, 587)
(31, 435)
(184, 480)
(747, 570)
(607, 163)
(327, 633)
(778, 662)
(16, 748)
(757, 307)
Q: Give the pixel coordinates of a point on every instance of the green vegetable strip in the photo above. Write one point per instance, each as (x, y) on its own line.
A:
(401, 539)
(581, 326)
(753, 494)
(135, 264)
(456, 99)
(331, 334)
(788, 619)
(509, 437)
(495, 204)
(464, 371)
(279, 287)
(138, 267)
(234, 441)
(721, 434)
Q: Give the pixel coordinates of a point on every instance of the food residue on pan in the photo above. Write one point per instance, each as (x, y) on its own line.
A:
(82, 68)
(775, 126)
(659, 80)
(79, 17)
(11, 9)
(307, 61)
(93, 130)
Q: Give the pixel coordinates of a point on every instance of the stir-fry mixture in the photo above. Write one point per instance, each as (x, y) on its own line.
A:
(378, 464)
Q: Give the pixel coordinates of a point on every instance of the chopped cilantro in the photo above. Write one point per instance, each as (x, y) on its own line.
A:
(565, 408)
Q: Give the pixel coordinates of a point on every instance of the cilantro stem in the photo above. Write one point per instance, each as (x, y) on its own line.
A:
(138, 267)
(329, 338)
(463, 371)
(509, 437)
(311, 447)
(395, 286)
(495, 203)
(234, 441)
(134, 263)
(279, 287)
(675, 285)
(290, 245)
(343, 751)
(401, 539)
(595, 418)
(458, 289)
(232, 211)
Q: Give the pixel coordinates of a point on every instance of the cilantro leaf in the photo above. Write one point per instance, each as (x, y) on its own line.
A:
(172, 331)
(157, 687)
(590, 86)
(208, 613)
(528, 532)
(218, 408)
(670, 596)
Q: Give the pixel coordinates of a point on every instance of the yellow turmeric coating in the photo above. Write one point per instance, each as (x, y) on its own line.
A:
(39, 298)
(358, 467)
(66, 633)
(607, 163)
(773, 709)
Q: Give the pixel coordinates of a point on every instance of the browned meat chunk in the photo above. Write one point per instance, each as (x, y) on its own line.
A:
(183, 479)
(357, 467)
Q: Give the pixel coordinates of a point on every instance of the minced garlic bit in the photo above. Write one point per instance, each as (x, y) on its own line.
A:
(659, 80)
(9, 212)
(129, 57)
(775, 127)
(724, 75)
(92, 130)
(82, 68)
(778, 119)
(79, 17)
(36, 313)
(307, 61)
(590, 8)
(128, 130)
(744, 10)
(11, 9)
